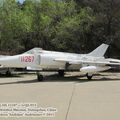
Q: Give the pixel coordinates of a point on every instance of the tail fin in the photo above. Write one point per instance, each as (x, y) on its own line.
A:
(99, 51)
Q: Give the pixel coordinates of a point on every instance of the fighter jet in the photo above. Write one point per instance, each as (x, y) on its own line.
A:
(5, 70)
(38, 60)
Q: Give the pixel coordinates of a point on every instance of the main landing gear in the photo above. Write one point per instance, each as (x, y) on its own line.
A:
(8, 73)
(61, 73)
(89, 76)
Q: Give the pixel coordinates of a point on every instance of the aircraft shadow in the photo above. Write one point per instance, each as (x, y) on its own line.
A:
(56, 78)
(78, 78)
(11, 76)
(20, 82)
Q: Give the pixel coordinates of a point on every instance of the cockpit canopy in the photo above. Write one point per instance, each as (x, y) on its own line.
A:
(34, 50)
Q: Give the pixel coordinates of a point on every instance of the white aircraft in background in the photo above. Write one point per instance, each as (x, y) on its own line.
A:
(5, 70)
(38, 60)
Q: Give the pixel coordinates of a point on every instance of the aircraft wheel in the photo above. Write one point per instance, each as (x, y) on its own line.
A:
(89, 77)
(61, 73)
(8, 73)
(40, 77)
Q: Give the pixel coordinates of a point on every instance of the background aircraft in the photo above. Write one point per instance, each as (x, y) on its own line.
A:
(4, 70)
(38, 60)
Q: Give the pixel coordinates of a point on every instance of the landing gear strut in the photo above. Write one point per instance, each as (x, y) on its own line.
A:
(61, 73)
(8, 73)
(39, 77)
(89, 77)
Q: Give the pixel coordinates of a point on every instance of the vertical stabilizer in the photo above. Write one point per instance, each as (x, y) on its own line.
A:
(99, 51)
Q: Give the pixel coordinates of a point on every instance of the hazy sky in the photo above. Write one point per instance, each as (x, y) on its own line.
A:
(21, 1)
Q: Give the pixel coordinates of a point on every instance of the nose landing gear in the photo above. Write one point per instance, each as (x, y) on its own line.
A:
(39, 77)
(8, 73)
(61, 73)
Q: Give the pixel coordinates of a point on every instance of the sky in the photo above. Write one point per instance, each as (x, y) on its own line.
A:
(21, 1)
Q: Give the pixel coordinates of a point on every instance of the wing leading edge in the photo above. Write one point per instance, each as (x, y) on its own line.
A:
(77, 62)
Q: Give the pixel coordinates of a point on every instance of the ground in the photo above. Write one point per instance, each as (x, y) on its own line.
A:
(74, 97)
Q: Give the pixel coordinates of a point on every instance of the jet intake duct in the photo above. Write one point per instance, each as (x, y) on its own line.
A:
(93, 69)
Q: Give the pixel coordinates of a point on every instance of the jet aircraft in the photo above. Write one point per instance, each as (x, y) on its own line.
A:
(38, 60)
(5, 70)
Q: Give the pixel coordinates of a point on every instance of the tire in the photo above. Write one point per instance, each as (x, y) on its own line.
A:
(40, 77)
(61, 73)
(89, 77)
(8, 74)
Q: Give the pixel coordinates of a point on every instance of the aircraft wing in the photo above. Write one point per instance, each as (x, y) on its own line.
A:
(77, 62)
(94, 62)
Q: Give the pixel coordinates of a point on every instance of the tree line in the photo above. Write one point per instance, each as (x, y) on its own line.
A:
(63, 25)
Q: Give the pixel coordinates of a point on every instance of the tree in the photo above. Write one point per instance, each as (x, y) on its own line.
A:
(71, 31)
(107, 26)
(10, 25)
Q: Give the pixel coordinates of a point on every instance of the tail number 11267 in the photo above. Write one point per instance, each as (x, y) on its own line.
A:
(27, 59)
